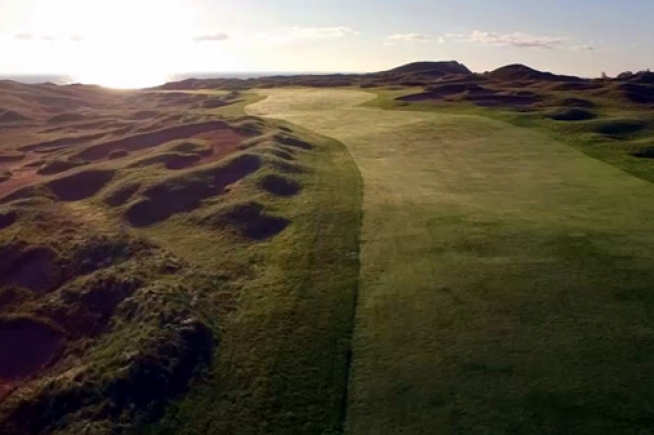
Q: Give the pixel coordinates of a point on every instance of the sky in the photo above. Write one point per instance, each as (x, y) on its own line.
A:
(140, 40)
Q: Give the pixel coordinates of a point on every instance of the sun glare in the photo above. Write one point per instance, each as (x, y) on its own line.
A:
(133, 44)
(128, 79)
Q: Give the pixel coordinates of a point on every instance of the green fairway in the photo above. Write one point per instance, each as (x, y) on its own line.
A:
(506, 278)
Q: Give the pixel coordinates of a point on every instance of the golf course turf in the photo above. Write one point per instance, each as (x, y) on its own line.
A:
(505, 282)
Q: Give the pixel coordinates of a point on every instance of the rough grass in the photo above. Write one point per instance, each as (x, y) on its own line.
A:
(504, 280)
(233, 285)
(282, 363)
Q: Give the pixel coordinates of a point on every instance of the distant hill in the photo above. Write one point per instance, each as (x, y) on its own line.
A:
(522, 72)
(644, 77)
(430, 68)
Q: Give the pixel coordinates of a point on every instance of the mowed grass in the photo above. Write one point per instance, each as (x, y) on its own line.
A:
(619, 133)
(506, 278)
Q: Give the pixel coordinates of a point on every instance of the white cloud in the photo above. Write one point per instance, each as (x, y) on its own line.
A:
(293, 34)
(517, 39)
(408, 37)
(583, 48)
(212, 37)
(33, 37)
(25, 37)
(320, 32)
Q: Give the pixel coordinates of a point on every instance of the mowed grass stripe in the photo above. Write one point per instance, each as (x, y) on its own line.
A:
(506, 279)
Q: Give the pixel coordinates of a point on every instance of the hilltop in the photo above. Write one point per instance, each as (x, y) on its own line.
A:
(430, 68)
(523, 72)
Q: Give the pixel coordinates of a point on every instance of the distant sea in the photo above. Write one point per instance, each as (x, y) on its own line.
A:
(65, 80)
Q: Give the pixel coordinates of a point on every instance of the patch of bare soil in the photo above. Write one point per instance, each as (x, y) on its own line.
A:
(18, 179)
(152, 139)
(64, 142)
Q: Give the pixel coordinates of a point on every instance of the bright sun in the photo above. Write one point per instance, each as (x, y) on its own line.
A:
(132, 44)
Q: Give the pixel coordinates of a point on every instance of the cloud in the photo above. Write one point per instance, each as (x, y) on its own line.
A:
(25, 37)
(286, 36)
(517, 39)
(583, 48)
(212, 37)
(320, 32)
(46, 38)
(408, 37)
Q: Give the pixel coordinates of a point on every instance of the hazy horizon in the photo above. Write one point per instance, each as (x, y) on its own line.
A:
(121, 42)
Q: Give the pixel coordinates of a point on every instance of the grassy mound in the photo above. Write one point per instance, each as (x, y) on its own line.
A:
(637, 93)
(121, 194)
(106, 300)
(172, 160)
(279, 185)
(12, 116)
(282, 154)
(184, 193)
(67, 117)
(59, 165)
(117, 154)
(248, 219)
(152, 139)
(34, 268)
(291, 141)
(11, 156)
(195, 146)
(81, 185)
